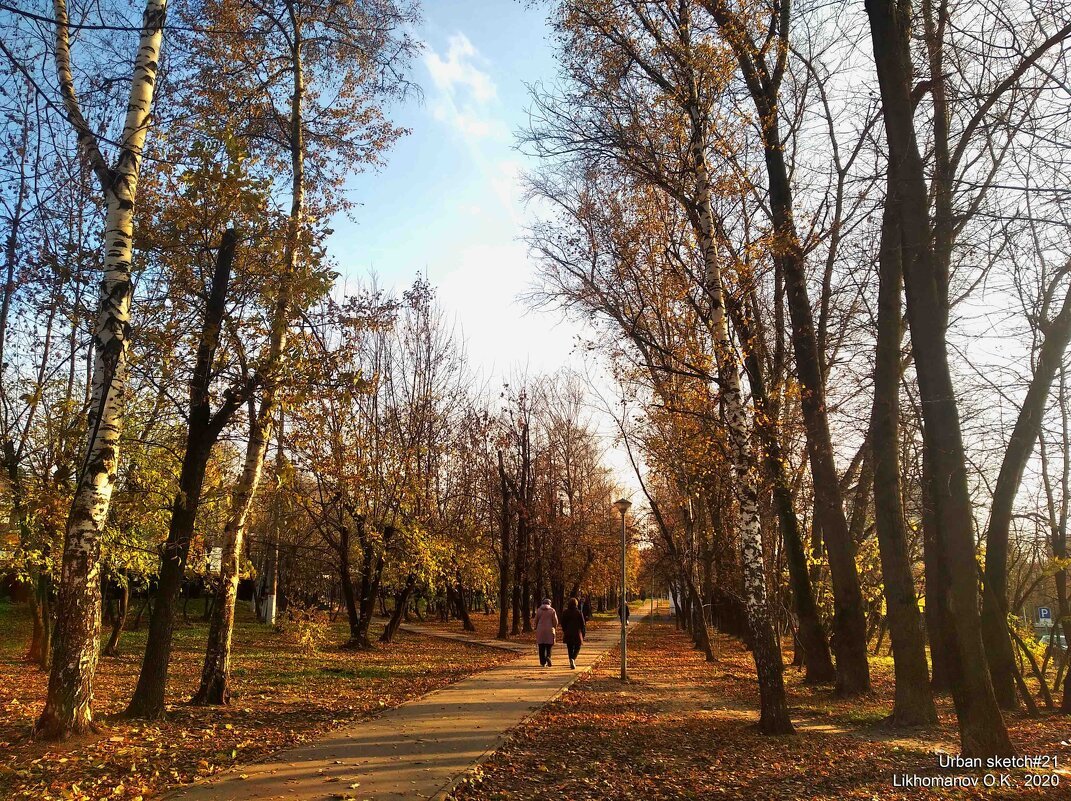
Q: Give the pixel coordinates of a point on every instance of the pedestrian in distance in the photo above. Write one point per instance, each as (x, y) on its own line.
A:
(624, 609)
(573, 630)
(546, 625)
(587, 607)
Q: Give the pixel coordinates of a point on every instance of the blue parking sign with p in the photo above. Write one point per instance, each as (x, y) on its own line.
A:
(1044, 613)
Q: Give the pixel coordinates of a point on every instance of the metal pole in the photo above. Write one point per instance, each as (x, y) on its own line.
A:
(621, 611)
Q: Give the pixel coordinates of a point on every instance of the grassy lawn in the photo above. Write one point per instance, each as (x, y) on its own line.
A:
(685, 729)
(284, 695)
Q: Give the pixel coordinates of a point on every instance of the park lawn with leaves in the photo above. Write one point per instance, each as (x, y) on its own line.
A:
(686, 729)
(285, 694)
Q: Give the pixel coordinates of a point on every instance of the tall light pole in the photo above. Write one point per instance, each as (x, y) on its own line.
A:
(623, 506)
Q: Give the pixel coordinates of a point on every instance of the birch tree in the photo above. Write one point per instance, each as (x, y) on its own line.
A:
(68, 707)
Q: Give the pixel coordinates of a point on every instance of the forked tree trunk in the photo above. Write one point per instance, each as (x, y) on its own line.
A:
(68, 705)
(215, 674)
(913, 704)
(982, 729)
(202, 433)
(371, 577)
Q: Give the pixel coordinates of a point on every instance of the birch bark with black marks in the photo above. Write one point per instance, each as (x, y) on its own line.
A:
(68, 705)
(763, 80)
(766, 651)
(817, 660)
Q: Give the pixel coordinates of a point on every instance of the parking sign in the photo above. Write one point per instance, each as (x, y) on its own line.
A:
(1044, 613)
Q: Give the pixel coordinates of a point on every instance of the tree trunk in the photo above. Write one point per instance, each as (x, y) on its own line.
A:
(41, 639)
(766, 651)
(68, 704)
(998, 646)
(849, 623)
(982, 729)
(504, 551)
(349, 595)
(112, 648)
(913, 703)
(462, 608)
(811, 636)
(373, 574)
(401, 604)
(202, 433)
(215, 675)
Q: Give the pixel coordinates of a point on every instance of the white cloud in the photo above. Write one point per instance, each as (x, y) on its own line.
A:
(458, 72)
(465, 91)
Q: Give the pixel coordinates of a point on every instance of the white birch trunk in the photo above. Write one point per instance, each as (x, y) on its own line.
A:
(68, 707)
(765, 649)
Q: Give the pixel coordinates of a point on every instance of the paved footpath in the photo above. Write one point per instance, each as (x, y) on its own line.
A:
(416, 751)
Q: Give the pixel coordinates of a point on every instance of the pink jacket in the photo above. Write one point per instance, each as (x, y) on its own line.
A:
(546, 620)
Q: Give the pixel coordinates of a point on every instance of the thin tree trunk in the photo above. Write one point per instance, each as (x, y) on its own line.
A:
(215, 675)
(349, 596)
(112, 648)
(202, 433)
(462, 609)
(68, 705)
(811, 637)
(913, 702)
(505, 519)
(998, 646)
(41, 639)
(766, 651)
(849, 622)
(401, 604)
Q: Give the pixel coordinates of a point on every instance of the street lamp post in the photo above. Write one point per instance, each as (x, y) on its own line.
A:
(623, 506)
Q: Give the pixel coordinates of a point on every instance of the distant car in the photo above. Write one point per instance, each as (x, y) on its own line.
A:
(1059, 642)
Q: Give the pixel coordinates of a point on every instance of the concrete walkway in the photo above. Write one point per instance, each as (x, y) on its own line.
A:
(418, 750)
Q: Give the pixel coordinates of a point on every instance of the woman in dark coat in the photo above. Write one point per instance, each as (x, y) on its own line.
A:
(573, 630)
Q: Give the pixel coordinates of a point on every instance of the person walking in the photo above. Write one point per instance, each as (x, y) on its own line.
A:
(574, 630)
(546, 624)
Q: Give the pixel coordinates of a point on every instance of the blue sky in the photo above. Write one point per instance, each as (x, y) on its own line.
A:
(449, 201)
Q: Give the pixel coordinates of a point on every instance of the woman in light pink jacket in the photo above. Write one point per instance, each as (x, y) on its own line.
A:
(546, 621)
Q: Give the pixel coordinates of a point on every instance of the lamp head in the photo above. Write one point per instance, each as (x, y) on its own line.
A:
(623, 505)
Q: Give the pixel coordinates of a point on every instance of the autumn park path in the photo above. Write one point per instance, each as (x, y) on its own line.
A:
(419, 750)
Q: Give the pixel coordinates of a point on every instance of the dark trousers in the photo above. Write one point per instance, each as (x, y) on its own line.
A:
(544, 654)
(574, 649)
